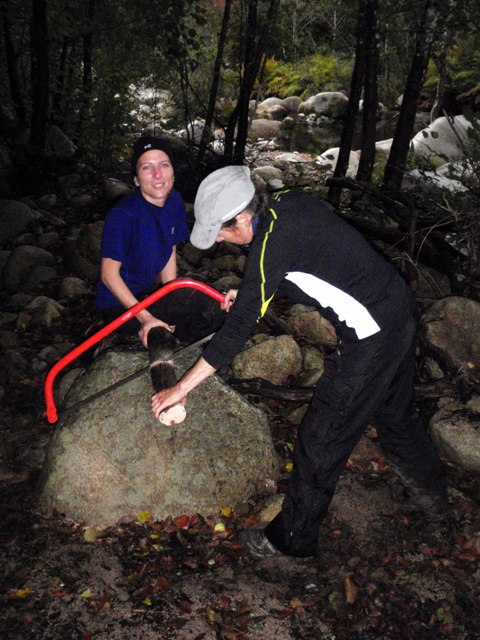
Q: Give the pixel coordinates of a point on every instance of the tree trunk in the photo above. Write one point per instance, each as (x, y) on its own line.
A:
(397, 159)
(215, 82)
(260, 43)
(257, 41)
(356, 85)
(87, 83)
(59, 86)
(39, 73)
(13, 79)
(370, 97)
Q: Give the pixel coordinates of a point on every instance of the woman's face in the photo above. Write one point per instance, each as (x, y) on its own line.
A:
(154, 176)
(239, 233)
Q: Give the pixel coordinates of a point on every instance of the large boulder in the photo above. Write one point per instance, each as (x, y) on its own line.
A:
(23, 265)
(110, 459)
(329, 158)
(262, 128)
(450, 329)
(332, 104)
(82, 251)
(442, 141)
(16, 219)
(456, 432)
(58, 143)
(274, 360)
(307, 322)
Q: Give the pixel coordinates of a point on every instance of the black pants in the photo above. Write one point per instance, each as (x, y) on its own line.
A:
(194, 314)
(367, 380)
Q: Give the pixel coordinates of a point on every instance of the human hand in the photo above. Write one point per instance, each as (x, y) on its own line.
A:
(149, 324)
(230, 298)
(168, 397)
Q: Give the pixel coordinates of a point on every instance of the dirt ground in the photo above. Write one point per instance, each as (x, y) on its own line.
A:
(380, 571)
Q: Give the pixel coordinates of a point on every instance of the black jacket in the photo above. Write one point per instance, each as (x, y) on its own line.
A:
(304, 251)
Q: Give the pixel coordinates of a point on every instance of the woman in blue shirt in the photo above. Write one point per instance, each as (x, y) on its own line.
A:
(138, 252)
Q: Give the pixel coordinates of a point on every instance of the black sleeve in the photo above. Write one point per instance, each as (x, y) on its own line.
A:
(265, 269)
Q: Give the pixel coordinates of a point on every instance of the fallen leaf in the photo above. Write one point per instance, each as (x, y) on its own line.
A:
(336, 601)
(143, 516)
(295, 602)
(351, 589)
(182, 522)
(19, 594)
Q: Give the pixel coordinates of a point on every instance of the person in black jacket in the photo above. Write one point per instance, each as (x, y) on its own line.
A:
(302, 250)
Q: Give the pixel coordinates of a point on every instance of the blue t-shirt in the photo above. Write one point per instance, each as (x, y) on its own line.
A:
(141, 236)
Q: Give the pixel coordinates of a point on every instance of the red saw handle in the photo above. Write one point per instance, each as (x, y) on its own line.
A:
(111, 326)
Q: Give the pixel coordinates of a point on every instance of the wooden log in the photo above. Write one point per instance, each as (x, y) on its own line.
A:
(161, 344)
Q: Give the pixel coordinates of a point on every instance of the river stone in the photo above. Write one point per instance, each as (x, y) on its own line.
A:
(261, 128)
(309, 323)
(273, 359)
(329, 158)
(17, 217)
(450, 328)
(456, 433)
(20, 264)
(442, 141)
(109, 459)
(329, 103)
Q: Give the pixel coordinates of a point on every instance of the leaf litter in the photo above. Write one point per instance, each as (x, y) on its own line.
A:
(380, 572)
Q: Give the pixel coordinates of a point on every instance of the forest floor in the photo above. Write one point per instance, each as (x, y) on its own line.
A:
(380, 572)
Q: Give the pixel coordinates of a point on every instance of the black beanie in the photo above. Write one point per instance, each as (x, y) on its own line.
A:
(147, 143)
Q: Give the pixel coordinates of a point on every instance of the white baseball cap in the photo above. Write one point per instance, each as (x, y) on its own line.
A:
(220, 197)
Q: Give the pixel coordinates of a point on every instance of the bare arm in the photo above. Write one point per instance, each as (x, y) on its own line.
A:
(200, 371)
(111, 278)
(169, 271)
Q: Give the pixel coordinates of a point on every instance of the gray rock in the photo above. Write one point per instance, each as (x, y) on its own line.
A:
(450, 327)
(20, 264)
(72, 287)
(225, 283)
(328, 161)
(44, 310)
(261, 128)
(225, 263)
(308, 323)
(332, 104)
(12, 366)
(82, 252)
(8, 340)
(81, 200)
(312, 358)
(39, 278)
(16, 219)
(432, 285)
(7, 317)
(456, 433)
(292, 103)
(70, 181)
(115, 189)
(267, 173)
(110, 459)
(58, 142)
(443, 140)
(47, 201)
(277, 112)
(48, 240)
(274, 360)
